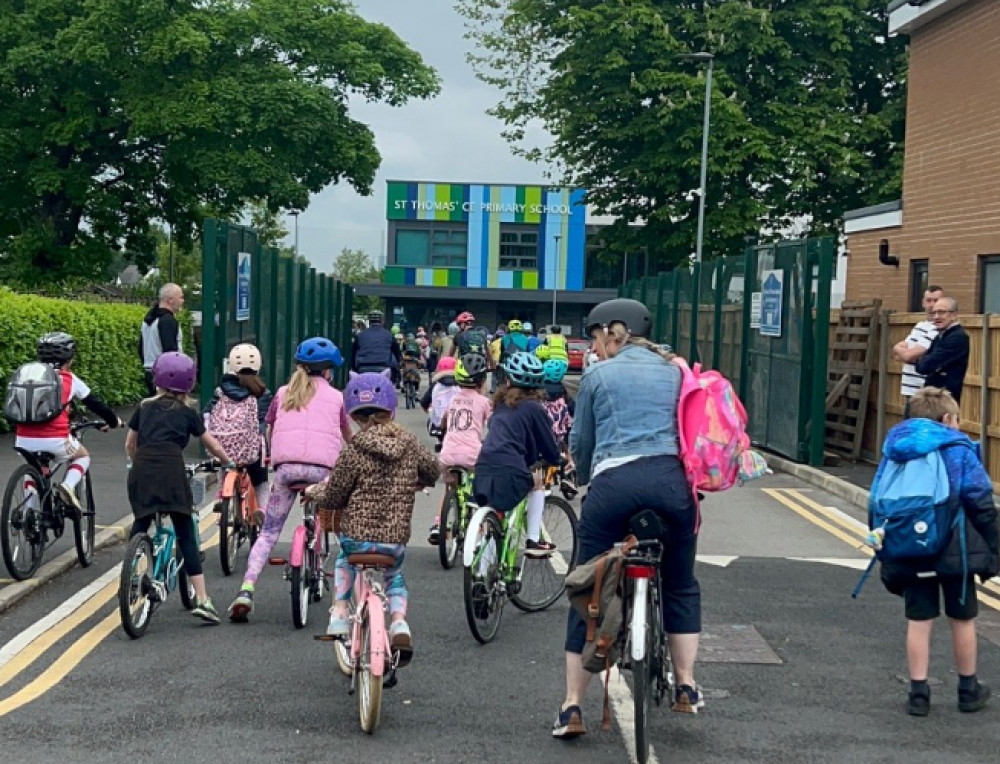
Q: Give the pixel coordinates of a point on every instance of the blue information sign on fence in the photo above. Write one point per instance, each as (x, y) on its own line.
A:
(770, 308)
(243, 286)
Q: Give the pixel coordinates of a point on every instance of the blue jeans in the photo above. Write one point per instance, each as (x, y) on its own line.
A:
(395, 584)
(617, 495)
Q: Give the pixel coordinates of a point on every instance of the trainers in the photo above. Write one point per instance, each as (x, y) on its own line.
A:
(71, 503)
(242, 607)
(339, 626)
(973, 700)
(919, 703)
(401, 642)
(206, 611)
(569, 724)
(687, 700)
(538, 548)
(434, 535)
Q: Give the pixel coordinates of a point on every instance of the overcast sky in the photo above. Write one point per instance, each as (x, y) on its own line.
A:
(448, 138)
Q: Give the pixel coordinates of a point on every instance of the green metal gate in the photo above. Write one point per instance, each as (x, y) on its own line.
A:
(288, 301)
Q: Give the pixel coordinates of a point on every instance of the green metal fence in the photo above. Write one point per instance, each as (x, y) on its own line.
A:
(275, 306)
(780, 372)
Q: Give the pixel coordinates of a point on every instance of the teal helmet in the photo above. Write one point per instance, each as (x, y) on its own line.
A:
(524, 370)
(554, 370)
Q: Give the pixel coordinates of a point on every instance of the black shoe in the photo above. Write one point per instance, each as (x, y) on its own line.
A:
(919, 703)
(569, 724)
(970, 701)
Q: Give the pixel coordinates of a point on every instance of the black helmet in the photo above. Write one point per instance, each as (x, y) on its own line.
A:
(375, 317)
(56, 347)
(470, 371)
(632, 313)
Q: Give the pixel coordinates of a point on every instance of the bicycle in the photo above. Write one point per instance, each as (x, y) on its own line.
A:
(411, 382)
(367, 656)
(32, 510)
(454, 516)
(497, 569)
(153, 568)
(304, 568)
(239, 517)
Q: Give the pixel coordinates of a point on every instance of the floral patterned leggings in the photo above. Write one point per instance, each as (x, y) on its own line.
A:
(395, 584)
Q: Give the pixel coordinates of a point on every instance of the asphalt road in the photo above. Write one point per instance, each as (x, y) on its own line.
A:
(794, 669)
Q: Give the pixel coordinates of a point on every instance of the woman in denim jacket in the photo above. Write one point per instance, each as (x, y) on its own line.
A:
(624, 431)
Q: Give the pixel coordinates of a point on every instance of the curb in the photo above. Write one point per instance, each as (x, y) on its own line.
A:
(833, 485)
(113, 534)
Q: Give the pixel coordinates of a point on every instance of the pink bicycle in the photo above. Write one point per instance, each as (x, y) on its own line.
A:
(304, 569)
(367, 656)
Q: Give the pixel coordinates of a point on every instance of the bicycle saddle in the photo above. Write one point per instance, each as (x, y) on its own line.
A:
(36, 457)
(371, 560)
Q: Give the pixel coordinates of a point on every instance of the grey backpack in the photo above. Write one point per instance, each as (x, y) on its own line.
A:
(34, 394)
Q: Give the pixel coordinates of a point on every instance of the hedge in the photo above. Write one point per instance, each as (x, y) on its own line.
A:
(107, 337)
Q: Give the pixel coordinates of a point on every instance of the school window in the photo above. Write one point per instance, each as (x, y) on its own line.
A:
(989, 284)
(432, 243)
(918, 284)
(518, 249)
(449, 247)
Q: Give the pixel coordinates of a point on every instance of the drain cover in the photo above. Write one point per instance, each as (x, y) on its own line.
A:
(734, 643)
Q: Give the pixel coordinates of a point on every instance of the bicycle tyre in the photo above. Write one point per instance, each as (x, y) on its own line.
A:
(484, 609)
(369, 685)
(184, 586)
(299, 585)
(642, 690)
(11, 550)
(134, 606)
(229, 533)
(449, 528)
(543, 578)
(84, 529)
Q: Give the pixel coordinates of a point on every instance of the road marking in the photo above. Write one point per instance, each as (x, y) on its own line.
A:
(622, 704)
(841, 518)
(719, 560)
(854, 542)
(855, 563)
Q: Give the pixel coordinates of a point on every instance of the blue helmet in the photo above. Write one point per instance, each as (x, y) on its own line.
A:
(554, 370)
(524, 370)
(370, 392)
(318, 353)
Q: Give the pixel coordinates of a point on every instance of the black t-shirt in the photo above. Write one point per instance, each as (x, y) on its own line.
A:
(166, 420)
(471, 341)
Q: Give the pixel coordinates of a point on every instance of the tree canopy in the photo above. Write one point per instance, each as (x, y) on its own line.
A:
(122, 112)
(807, 108)
(354, 266)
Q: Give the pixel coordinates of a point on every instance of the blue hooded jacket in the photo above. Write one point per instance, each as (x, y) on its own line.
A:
(970, 488)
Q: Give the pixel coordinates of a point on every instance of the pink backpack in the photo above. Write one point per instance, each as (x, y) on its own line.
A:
(712, 426)
(234, 424)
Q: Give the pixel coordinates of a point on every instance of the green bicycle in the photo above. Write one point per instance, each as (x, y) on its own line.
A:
(455, 516)
(497, 568)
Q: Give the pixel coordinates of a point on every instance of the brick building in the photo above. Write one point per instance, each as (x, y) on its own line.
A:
(946, 229)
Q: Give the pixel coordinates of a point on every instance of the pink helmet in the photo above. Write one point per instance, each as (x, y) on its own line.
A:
(465, 318)
(174, 372)
(446, 364)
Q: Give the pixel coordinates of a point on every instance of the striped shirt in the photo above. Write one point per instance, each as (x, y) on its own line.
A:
(923, 334)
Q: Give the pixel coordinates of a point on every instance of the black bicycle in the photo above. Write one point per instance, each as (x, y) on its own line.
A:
(33, 517)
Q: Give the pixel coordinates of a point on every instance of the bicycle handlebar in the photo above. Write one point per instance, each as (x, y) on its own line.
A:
(208, 465)
(87, 424)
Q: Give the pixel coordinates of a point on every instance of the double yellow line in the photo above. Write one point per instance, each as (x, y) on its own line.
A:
(79, 650)
(837, 524)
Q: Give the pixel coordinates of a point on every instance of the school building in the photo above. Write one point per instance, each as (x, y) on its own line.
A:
(946, 228)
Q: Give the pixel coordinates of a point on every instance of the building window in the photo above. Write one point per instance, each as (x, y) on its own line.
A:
(432, 243)
(518, 248)
(918, 285)
(989, 284)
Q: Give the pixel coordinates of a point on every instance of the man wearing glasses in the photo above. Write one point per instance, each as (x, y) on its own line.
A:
(946, 360)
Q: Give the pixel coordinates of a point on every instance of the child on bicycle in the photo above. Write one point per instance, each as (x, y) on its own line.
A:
(438, 396)
(59, 350)
(307, 428)
(158, 433)
(235, 414)
(464, 423)
(559, 407)
(374, 483)
(520, 436)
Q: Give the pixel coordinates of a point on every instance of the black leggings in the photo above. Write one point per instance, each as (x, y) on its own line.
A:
(187, 539)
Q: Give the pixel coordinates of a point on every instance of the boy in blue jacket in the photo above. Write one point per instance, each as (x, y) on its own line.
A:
(933, 426)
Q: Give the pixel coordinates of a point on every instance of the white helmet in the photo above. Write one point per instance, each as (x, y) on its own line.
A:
(244, 357)
(527, 326)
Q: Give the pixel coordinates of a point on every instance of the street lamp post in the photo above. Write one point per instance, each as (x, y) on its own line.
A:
(708, 58)
(555, 280)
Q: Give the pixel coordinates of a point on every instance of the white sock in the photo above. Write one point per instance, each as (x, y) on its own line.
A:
(76, 471)
(536, 505)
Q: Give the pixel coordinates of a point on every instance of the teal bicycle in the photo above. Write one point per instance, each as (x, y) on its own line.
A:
(152, 569)
(455, 514)
(497, 568)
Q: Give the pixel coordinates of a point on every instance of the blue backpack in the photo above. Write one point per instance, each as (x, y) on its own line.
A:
(910, 517)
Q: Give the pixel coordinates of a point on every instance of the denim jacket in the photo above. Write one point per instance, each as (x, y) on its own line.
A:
(626, 406)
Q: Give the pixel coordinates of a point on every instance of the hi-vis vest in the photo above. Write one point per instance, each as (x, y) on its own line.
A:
(553, 349)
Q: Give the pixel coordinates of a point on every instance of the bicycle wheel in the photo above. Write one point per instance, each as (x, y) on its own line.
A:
(84, 529)
(299, 581)
(542, 578)
(642, 685)
(230, 525)
(184, 585)
(449, 528)
(369, 685)
(21, 536)
(134, 586)
(484, 597)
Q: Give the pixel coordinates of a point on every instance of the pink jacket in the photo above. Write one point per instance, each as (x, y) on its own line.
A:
(313, 435)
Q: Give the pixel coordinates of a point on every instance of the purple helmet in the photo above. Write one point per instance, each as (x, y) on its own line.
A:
(370, 392)
(174, 372)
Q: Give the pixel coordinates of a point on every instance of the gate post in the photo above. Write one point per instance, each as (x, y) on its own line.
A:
(720, 274)
(749, 282)
(209, 307)
(273, 297)
(674, 340)
(820, 352)
(695, 302)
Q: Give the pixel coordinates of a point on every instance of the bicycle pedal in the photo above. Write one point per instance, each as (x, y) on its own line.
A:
(326, 638)
(277, 561)
(391, 680)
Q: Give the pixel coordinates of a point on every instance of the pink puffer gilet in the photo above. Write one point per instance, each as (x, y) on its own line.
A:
(311, 435)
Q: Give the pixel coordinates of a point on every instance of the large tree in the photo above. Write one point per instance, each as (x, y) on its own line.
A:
(120, 112)
(807, 108)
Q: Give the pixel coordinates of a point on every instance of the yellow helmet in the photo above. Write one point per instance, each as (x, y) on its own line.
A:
(514, 325)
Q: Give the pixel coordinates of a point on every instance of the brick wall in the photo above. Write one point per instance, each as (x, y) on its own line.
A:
(951, 175)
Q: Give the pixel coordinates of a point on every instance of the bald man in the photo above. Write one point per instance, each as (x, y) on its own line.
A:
(160, 333)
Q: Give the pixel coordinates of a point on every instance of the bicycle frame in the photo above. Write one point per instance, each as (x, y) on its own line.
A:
(238, 482)
(300, 537)
(371, 606)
